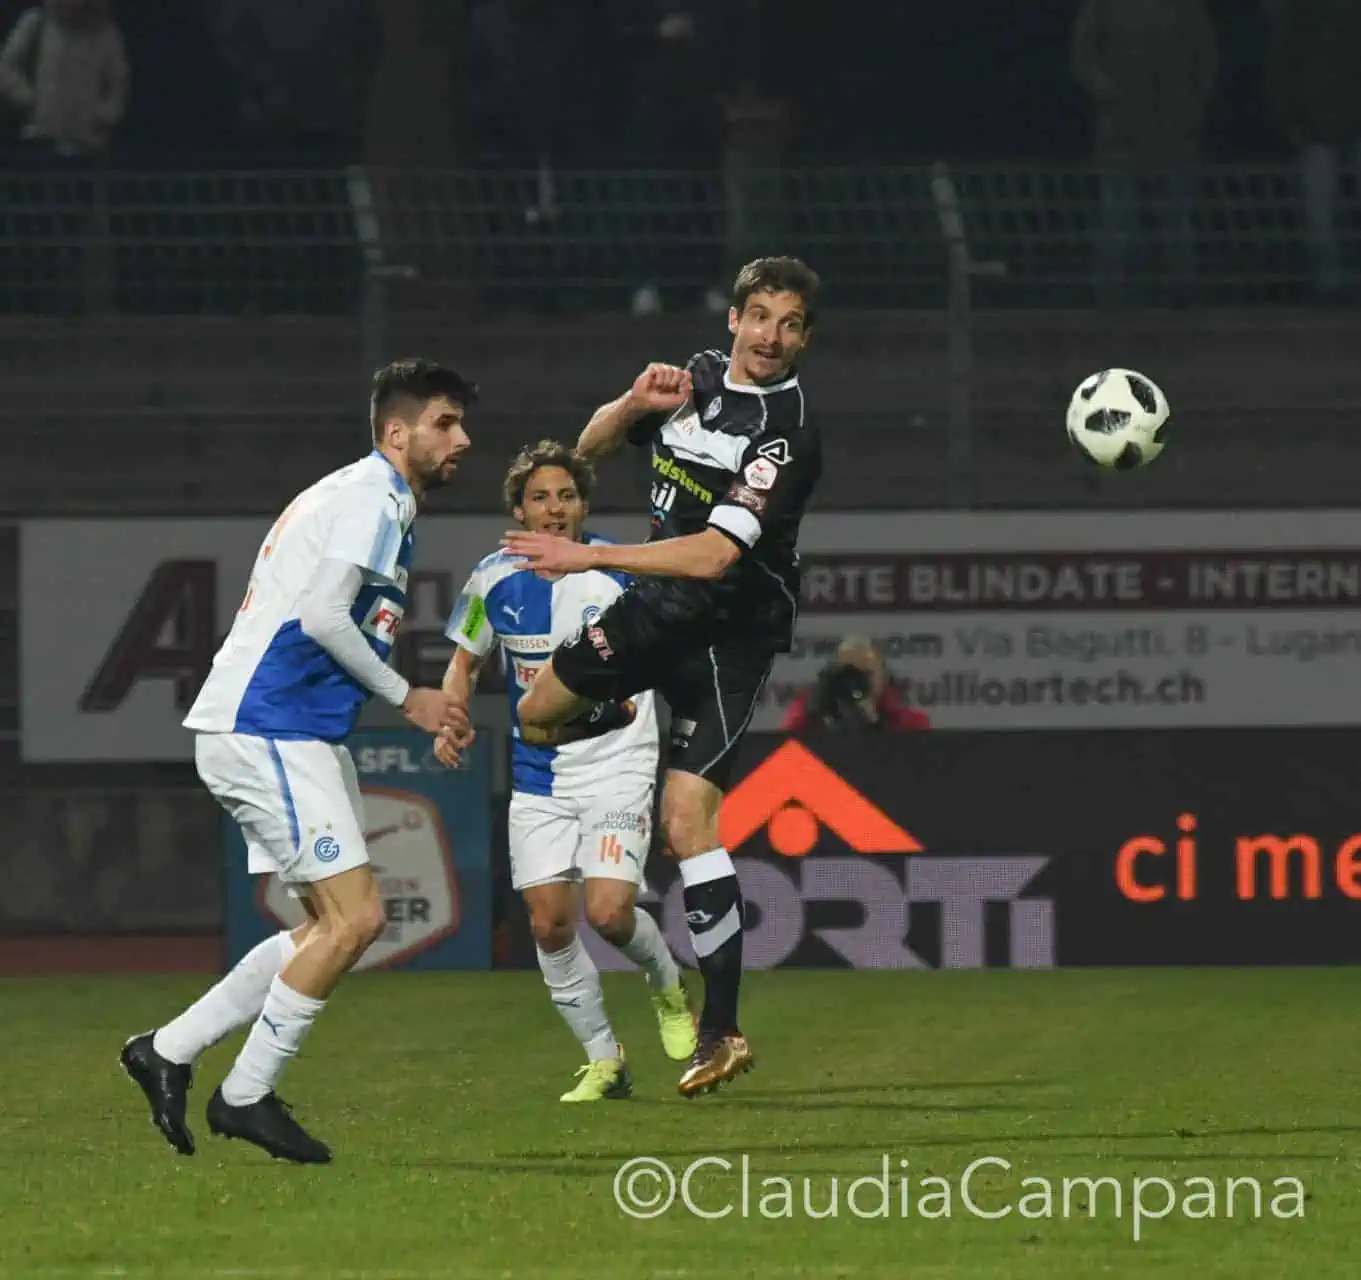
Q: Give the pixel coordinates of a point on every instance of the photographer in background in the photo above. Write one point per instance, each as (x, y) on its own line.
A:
(853, 692)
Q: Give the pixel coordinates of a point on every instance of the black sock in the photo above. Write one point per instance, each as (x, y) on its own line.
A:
(713, 912)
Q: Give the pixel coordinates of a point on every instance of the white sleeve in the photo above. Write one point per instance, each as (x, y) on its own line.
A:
(326, 618)
(469, 625)
(368, 533)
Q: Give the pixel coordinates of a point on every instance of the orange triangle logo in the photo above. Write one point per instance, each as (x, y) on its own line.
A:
(791, 791)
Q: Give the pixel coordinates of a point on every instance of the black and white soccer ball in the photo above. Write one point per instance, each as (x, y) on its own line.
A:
(1118, 419)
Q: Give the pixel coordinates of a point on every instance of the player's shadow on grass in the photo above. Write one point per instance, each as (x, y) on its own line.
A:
(607, 1164)
(590, 1164)
(899, 1086)
(790, 1102)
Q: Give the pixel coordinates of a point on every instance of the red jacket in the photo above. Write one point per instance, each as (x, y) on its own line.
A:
(893, 711)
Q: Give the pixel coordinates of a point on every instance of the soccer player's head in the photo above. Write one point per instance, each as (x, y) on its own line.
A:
(773, 302)
(548, 489)
(416, 411)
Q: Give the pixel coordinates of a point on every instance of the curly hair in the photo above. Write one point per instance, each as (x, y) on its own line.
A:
(547, 453)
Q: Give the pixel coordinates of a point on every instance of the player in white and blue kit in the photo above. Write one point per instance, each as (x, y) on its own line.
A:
(309, 646)
(580, 814)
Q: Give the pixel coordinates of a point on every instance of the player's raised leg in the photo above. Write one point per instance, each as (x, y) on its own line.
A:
(551, 715)
(161, 1062)
(616, 841)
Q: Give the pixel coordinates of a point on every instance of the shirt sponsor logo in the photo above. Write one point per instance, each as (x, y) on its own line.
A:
(525, 672)
(382, 620)
(761, 473)
(527, 644)
(681, 478)
(624, 820)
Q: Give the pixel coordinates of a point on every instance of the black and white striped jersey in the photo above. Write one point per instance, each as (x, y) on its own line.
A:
(744, 460)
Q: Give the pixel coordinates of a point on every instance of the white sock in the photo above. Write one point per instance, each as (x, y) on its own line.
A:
(275, 1038)
(574, 986)
(235, 1001)
(706, 867)
(648, 950)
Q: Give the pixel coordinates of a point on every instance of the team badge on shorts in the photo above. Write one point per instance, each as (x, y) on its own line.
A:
(411, 854)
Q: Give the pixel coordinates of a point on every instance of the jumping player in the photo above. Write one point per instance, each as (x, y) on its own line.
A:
(308, 647)
(580, 813)
(735, 459)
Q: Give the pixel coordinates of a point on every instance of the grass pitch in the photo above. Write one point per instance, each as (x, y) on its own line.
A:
(454, 1157)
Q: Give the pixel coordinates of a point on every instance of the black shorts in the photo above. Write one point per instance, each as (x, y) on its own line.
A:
(711, 684)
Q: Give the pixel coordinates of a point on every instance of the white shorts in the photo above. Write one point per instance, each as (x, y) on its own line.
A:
(562, 838)
(297, 803)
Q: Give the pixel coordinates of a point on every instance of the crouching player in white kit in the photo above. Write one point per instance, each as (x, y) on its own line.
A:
(308, 647)
(580, 812)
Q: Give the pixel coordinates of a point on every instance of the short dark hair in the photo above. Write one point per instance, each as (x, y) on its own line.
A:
(547, 453)
(405, 385)
(777, 275)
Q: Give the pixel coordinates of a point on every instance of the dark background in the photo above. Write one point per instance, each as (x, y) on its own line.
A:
(980, 80)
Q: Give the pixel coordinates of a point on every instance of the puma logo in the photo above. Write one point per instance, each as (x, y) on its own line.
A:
(514, 613)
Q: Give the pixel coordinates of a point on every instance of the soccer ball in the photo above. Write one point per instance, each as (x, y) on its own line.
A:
(1117, 418)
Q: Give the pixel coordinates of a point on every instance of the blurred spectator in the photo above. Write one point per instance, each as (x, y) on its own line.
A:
(64, 76)
(1149, 67)
(853, 692)
(1315, 91)
(528, 69)
(531, 73)
(681, 57)
(303, 69)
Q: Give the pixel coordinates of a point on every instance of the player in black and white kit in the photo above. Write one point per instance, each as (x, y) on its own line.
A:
(735, 459)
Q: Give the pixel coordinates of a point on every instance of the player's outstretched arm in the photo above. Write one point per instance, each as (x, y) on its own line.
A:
(660, 388)
(709, 555)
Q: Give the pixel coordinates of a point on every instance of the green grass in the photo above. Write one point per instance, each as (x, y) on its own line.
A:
(454, 1157)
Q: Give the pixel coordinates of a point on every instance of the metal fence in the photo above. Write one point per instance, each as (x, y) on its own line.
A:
(316, 242)
(346, 268)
